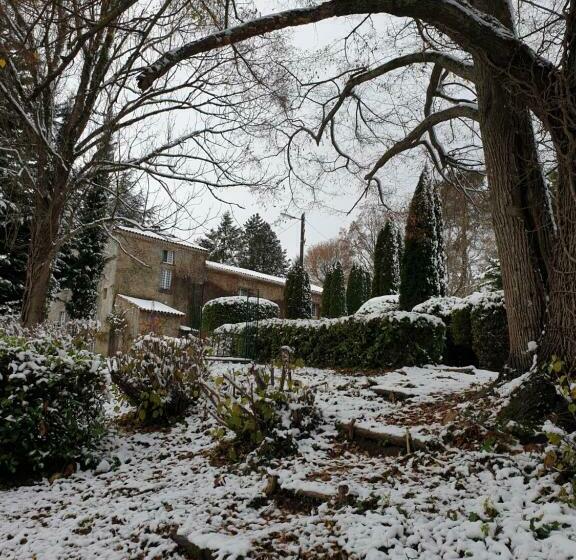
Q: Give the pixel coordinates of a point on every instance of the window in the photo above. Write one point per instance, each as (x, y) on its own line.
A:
(165, 279)
(315, 310)
(62, 318)
(245, 292)
(167, 256)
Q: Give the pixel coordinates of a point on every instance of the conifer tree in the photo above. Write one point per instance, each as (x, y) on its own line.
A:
(297, 294)
(224, 242)
(386, 261)
(423, 270)
(356, 290)
(81, 262)
(337, 292)
(261, 248)
(326, 293)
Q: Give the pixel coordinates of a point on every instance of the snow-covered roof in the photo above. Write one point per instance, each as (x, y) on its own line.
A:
(151, 305)
(253, 274)
(162, 237)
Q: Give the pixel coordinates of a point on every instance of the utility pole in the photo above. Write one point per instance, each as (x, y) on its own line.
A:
(302, 238)
(302, 233)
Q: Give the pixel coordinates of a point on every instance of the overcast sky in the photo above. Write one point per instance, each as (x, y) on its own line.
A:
(327, 215)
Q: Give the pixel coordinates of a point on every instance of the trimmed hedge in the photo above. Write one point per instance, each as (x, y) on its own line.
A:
(489, 328)
(236, 309)
(51, 404)
(477, 328)
(389, 340)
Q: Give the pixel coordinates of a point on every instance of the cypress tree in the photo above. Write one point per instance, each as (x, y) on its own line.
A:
(337, 292)
(326, 293)
(261, 248)
(224, 242)
(387, 261)
(297, 294)
(356, 290)
(423, 260)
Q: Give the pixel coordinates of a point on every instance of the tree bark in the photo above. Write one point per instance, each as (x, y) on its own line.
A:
(44, 230)
(520, 209)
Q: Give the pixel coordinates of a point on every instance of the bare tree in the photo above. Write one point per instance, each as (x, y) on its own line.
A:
(511, 80)
(321, 257)
(67, 75)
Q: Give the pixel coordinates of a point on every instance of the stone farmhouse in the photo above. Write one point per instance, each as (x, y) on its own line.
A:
(159, 283)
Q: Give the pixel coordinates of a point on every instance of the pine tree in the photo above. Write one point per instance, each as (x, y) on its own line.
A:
(82, 260)
(423, 270)
(326, 293)
(224, 242)
(337, 292)
(387, 261)
(356, 291)
(15, 212)
(297, 294)
(261, 249)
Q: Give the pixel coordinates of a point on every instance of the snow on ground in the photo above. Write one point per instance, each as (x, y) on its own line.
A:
(437, 505)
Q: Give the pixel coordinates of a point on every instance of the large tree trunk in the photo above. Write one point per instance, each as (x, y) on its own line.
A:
(41, 252)
(520, 209)
(518, 197)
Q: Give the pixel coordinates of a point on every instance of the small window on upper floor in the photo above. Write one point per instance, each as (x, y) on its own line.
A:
(167, 257)
(165, 279)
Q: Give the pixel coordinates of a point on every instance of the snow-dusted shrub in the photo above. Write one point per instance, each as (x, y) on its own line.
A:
(51, 398)
(380, 304)
(477, 328)
(374, 341)
(489, 327)
(266, 413)
(236, 309)
(455, 312)
(160, 376)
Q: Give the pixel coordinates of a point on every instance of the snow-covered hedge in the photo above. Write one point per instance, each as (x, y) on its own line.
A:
(380, 304)
(236, 309)
(160, 376)
(477, 329)
(51, 398)
(394, 339)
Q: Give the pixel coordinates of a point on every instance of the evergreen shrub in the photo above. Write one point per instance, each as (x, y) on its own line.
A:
(51, 403)
(394, 339)
(477, 328)
(236, 309)
(297, 294)
(160, 376)
(489, 327)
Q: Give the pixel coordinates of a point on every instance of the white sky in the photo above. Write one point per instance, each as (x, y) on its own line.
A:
(325, 216)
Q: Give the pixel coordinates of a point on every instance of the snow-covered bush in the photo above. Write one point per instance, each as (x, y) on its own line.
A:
(489, 327)
(266, 414)
(455, 312)
(236, 309)
(374, 341)
(51, 398)
(477, 328)
(160, 376)
(380, 304)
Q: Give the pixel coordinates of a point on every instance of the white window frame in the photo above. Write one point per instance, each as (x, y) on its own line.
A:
(165, 279)
(168, 256)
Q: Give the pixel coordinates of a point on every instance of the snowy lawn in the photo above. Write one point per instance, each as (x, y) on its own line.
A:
(452, 502)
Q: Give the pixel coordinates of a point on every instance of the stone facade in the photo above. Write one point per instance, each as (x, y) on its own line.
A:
(159, 284)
